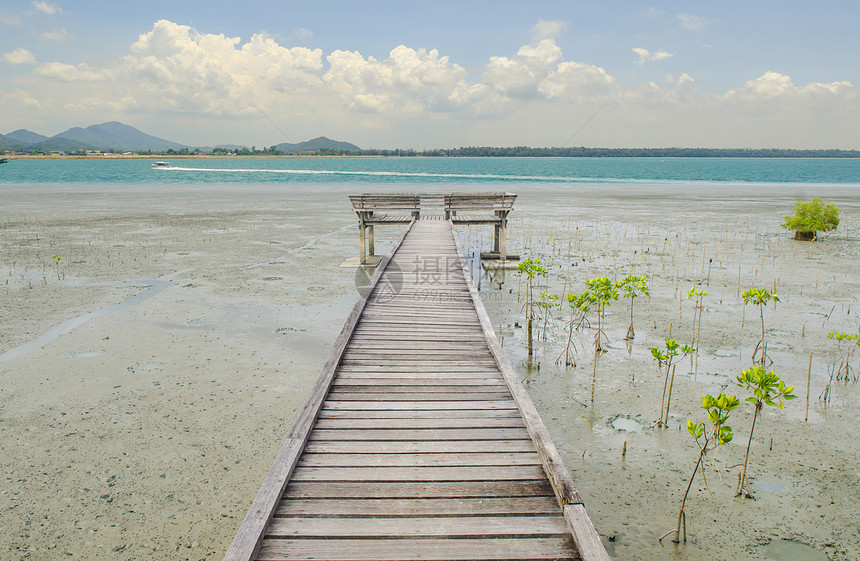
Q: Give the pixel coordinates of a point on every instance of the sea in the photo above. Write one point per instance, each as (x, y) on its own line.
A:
(437, 171)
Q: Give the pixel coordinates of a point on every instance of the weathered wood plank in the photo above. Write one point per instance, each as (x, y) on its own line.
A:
(437, 423)
(400, 394)
(421, 473)
(427, 549)
(466, 415)
(419, 434)
(417, 490)
(418, 507)
(411, 527)
(418, 460)
(396, 405)
(418, 447)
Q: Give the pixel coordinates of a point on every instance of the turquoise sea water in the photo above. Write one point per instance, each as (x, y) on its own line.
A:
(434, 171)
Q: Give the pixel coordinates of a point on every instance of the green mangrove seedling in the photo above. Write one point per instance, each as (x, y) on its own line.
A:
(768, 389)
(812, 217)
(698, 295)
(846, 345)
(760, 297)
(56, 259)
(633, 286)
(601, 292)
(718, 409)
(579, 305)
(665, 357)
(532, 269)
(547, 302)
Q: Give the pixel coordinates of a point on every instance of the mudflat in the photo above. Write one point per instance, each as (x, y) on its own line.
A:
(149, 376)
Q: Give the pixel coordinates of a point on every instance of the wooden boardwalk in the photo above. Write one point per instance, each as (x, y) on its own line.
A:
(418, 441)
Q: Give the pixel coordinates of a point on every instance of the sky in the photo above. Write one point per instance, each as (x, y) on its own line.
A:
(441, 74)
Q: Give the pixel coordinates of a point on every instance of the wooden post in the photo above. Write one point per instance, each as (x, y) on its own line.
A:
(496, 228)
(370, 240)
(503, 237)
(362, 253)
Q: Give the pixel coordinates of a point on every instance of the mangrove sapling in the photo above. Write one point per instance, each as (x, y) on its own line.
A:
(665, 357)
(532, 269)
(760, 297)
(768, 389)
(579, 306)
(56, 259)
(812, 217)
(601, 292)
(846, 345)
(698, 295)
(718, 409)
(547, 302)
(633, 286)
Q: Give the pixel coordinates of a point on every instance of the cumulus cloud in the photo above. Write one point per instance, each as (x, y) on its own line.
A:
(57, 35)
(213, 79)
(548, 29)
(19, 56)
(691, 22)
(47, 8)
(647, 56)
(8, 18)
(304, 33)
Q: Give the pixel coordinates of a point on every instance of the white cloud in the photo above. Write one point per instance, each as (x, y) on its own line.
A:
(691, 22)
(8, 18)
(57, 35)
(62, 72)
(47, 8)
(548, 29)
(647, 56)
(303, 33)
(201, 84)
(19, 56)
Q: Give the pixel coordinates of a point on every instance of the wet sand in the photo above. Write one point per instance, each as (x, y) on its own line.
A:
(142, 426)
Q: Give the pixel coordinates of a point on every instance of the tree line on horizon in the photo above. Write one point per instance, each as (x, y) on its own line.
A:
(584, 152)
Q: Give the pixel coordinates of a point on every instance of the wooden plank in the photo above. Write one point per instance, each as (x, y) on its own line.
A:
(418, 507)
(585, 537)
(343, 490)
(425, 549)
(419, 434)
(400, 394)
(421, 473)
(437, 423)
(417, 460)
(465, 414)
(418, 447)
(412, 405)
(413, 527)
(426, 383)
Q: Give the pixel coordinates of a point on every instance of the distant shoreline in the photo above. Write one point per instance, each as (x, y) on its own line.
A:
(109, 156)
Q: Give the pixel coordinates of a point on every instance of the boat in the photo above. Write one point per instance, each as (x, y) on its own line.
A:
(160, 165)
(4, 161)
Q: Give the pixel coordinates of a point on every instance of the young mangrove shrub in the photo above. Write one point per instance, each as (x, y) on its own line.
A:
(698, 296)
(547, 302)
(56, 259)
(760, 297)
(633, 286)
(768, 389)
(846, 345)
(601, 292)
(664, 358)
(718, 409)
(579, 305)
(532, 269)
(812, 217)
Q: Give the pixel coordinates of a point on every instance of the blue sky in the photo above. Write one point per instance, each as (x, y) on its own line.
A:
(439, 74)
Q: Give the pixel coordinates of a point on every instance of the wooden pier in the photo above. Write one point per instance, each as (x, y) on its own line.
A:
(418, 440)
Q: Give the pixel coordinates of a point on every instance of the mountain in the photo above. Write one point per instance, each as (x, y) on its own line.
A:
(115, 136)
(25, 137)
(317, 144)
